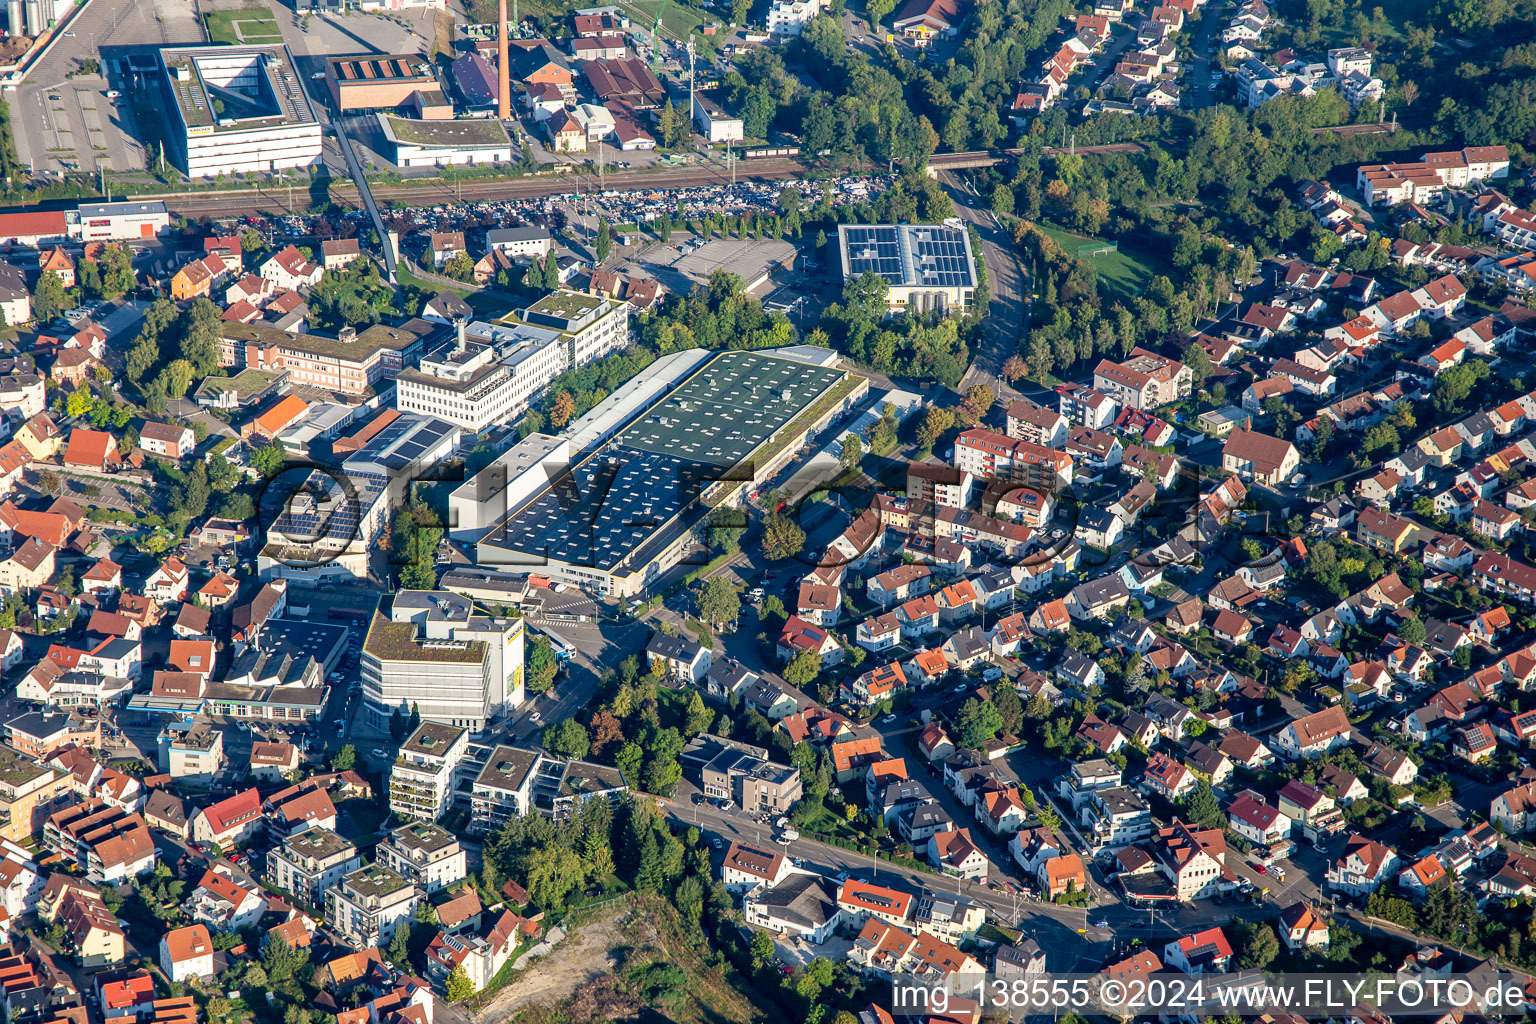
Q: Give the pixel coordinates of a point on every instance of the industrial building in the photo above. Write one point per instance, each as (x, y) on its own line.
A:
(626, 513)
(927, 266)
(239, 109)
(377, 81)
(34, 17)
(328, 528)
(475, 80)
(434, 653)
(714, 122)
(435, 143)
(505, 484)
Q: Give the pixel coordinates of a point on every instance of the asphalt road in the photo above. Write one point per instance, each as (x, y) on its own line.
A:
(1008, 310)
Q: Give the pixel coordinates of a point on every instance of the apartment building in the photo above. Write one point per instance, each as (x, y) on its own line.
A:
(368, 904)
(309, 863)
(992, 456)
(503, 789)
(29, 793)
(425, 855)
(1143, 380)
(421, 781)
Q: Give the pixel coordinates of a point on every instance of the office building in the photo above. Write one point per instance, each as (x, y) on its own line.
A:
(431, 653)
(239, 109)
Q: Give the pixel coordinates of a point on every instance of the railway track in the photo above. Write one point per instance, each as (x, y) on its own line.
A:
(275, 200)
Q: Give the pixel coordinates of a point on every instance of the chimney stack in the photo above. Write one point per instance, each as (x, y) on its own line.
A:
(503, 69)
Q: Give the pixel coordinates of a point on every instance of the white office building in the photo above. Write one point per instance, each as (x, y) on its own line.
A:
(592, 326)
(239, 109)
(433, 654)
(789, 17)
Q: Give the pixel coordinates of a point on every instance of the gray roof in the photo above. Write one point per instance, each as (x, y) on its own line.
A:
(802, 899)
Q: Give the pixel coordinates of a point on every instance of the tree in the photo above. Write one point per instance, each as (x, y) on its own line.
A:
(1199, 363)
(782, 537)
(604, 244)
(48, 297)
(877, 10)
(1002, 200)
(1014, 369)
(628, 760)
(1261, 946)
(802, 669)
(269, 459)
(399, 951)
(80, 402)
(562, 410)
(568, 739)
(542, 666)
(458, 987)
(698, 716)
(553, 871)
(344, 759)
(762, 950)
(977, 722)
(978, 399)
(935, 422)
(1411, 631)
(853, 453)
(718, 601)
(1203, 808)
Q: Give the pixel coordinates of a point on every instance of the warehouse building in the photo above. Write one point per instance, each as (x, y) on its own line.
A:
(625, 514)
(512, 479)
(239, 109)
(437, 143)
(377, 81)
(927, 266)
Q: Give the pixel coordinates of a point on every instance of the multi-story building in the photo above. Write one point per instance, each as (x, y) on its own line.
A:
(107, 843)
(350, 363)
(421, 781)
(1144, 380)
(310, 862)
(29, 792)
(591, 326)
(789, 17)
(503, 789)
(992, 456)
(490, 374)
(193, 755)
(756, 784)
(433, 654)
(239, 109)
(368, 904)
(425, 855)
(515, 781)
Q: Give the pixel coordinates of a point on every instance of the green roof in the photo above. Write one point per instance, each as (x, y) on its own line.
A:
(396, 641)
(483, 132)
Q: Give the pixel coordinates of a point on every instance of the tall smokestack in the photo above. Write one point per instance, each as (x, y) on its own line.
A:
(504, 65)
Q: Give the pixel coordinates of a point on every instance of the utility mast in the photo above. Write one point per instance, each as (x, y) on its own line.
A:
(690, 80)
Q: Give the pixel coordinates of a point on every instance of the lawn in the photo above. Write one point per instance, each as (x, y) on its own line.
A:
(1125, 274)
(254, 25)
(677, 22)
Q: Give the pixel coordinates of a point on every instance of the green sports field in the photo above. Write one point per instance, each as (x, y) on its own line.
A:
(1124, 274)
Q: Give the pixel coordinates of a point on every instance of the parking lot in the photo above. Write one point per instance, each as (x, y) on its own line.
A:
(67, 123)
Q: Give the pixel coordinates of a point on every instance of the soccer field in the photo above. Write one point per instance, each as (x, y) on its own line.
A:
(1122, 273)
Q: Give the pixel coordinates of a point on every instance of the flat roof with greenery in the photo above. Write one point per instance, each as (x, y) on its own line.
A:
(471, 133)
(397, 641)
